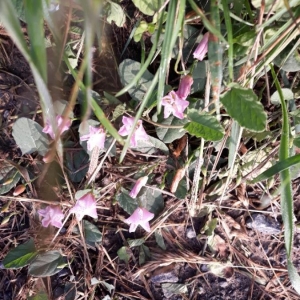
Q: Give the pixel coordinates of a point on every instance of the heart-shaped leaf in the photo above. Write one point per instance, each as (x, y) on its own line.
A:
(204, 126)
(242, 105)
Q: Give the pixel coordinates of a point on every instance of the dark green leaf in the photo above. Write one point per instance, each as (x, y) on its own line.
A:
(147, 7)
(124, 253)
(152, 200)
(91, 232)
(204, 126)
(70, 291)
(159, 239)
(30, 137)
(128, 70)
(126, 202)
(46, 264)
(242, 105)
(144, 255)
(136, 242)
(20, 256)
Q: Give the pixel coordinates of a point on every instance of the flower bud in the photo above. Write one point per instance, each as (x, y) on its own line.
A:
(19, 189)
(184, 88)
(202, 47)
(138, 185)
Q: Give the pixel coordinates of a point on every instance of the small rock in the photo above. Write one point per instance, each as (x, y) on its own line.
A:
(263, 224)
(164, 277)
(190, 233)
(223, 284)
(204, 268)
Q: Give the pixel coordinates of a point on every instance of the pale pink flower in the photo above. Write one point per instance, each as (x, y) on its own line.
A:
(52, 215)
(138, 134)
(202, 47)
(59, 120)
(141, 216)
(174, 105)
(138, 185)
(185, 85)
(95, 138)
(86, 205)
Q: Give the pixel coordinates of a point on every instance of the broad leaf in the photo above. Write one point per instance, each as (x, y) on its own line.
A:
(144, 254)
(20, 256)
(288, 64)
(19, 7)
(152, 200)
(242, 105)
(77, 164)
(70, 291)
(91, 232)
(159, 239)
(46, 264)
(128, 70)
(204, 126)
(116, 14)
(9, 177)
(39, 296)
(168, 135)
(149, 146)
(30, 137)
(287, 95)
(136, 242)
(147, 7)
(124, 253)
(199, 76)
(126, 202)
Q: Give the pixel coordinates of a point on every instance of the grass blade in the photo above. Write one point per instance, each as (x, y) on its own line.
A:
(277, 168)
(285, 178)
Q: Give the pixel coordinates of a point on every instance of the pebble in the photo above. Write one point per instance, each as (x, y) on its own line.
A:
(190, 233)
(263, 224)
(164, 277)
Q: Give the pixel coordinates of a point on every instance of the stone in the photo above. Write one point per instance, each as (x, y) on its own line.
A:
(263, 224)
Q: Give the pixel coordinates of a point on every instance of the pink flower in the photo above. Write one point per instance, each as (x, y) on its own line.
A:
(52, 215)
(174, 105)
(202, 47)
(59, 120)
(184, 88)
(140, 216)
(138, 185)
(95, 138)
(86, 205)
(138, 134)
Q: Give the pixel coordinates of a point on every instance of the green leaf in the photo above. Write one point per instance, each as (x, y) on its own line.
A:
(70, 291)
(147, 7)
(143, 27)
(46, 264)
(277, 168)
(296, 141)
(30, 137)
(136, 242)
(204, 126)
(159, 239)
(91, 232)
(294, 276)
(20, 256)
(9, 177)
(168, 135)
(126, 202)
(199, 76)
(116, 14)
(39, 296)
(287, 95)
(59, 107)
(296, 116)
(149, 146)
(269, 4)
(127, 70)
(124, 253)
(242, 105)
(152, 200)
(144, 254)
(77, 164)
(19, 7)
(290, 63)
